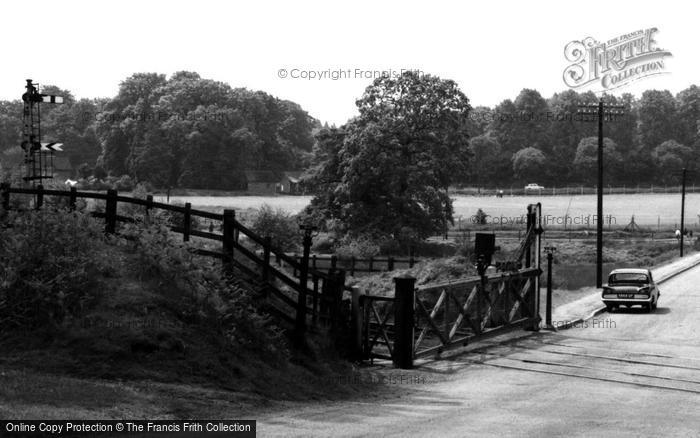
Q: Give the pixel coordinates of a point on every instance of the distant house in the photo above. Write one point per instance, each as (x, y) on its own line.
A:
(62, 169)
(290, 183)
(261, 181)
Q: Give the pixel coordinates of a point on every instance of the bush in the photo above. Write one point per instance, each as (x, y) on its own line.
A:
(49, 262)
(357, 246)
(480, 217)
(162, 258)
(279, 225)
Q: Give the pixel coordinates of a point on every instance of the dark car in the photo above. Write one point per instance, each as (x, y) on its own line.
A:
(631, 287)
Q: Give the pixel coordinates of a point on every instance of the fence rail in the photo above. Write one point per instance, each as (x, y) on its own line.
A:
(573, 190)
(312, 301)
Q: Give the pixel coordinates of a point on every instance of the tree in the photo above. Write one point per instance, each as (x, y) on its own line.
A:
(487, 166)
(386, 171)
(671, 157)
(689, 116)
(586, 159)
(528, 163)
(657, 117)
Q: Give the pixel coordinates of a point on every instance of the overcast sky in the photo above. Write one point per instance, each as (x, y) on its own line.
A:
(492, 49)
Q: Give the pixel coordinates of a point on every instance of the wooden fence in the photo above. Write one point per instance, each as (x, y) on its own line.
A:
(312, 299)
(354, 265)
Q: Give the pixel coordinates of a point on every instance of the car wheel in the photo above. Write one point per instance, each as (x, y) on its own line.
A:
(647, 308)
(610, 308)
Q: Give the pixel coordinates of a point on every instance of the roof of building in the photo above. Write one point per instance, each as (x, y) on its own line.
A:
(293, 176)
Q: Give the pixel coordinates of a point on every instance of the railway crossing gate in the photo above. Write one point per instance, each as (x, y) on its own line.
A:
(425, 320)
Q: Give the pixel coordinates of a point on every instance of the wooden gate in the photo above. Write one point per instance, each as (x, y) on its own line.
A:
(427, 320)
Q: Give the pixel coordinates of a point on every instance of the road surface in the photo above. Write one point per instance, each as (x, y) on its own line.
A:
(622, 374)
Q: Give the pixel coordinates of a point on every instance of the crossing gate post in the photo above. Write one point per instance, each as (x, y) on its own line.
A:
(404, 302)
(357, 323)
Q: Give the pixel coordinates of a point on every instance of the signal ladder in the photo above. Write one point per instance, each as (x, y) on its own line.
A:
(38, 156)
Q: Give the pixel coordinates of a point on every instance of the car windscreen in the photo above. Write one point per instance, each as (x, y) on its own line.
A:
(628, 277)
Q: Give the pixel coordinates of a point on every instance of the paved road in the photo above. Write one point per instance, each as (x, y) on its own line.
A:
(622, 374)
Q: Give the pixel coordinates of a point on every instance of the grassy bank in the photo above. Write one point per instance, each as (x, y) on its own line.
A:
(110, 327)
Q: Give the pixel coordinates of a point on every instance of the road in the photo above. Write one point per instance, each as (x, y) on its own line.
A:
(622, 374)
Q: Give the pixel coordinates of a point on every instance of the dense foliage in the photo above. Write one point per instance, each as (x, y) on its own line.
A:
(387, 171)
(183, 131)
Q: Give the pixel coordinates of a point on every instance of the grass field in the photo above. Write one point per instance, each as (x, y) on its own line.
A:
(649, 210)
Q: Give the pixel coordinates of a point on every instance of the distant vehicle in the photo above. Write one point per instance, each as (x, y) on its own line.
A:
(532, 187)
(630, 287)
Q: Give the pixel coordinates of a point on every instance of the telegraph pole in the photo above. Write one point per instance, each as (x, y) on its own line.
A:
(601, 110)
(683, 210)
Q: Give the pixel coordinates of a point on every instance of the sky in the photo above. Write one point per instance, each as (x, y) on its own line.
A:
(491, 49)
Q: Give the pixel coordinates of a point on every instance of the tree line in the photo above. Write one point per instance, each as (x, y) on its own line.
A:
(533, 139)
(182, 131)
(187, 131)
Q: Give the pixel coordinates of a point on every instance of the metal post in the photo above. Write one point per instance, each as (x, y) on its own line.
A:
(404, 301)
(550, 256)
(599, 237)
(683, 211)
(481, 270)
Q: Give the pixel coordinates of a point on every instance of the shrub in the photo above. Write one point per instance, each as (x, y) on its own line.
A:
(279, 225)
(480, 217)
(357, 246)
(49, 261)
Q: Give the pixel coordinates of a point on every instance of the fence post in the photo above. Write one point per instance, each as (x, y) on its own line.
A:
(187, 223)
(337, 286)
(266, 258)
(371, 262)
(149, 205)
(404, 302)
(72, 198)
(300, 326)
(411, 260)
(39, 196)
(5, 189)
(357, 322)
(352, 265)
(111, 212)
(390, 264)
(334, 261)
(229, 227)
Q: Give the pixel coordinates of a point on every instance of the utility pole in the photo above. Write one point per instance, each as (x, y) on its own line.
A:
(601, 110)
(683, 210)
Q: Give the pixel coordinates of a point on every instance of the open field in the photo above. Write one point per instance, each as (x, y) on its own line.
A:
(649, 210)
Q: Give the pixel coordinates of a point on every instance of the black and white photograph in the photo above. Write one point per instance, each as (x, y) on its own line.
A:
(349, 219)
